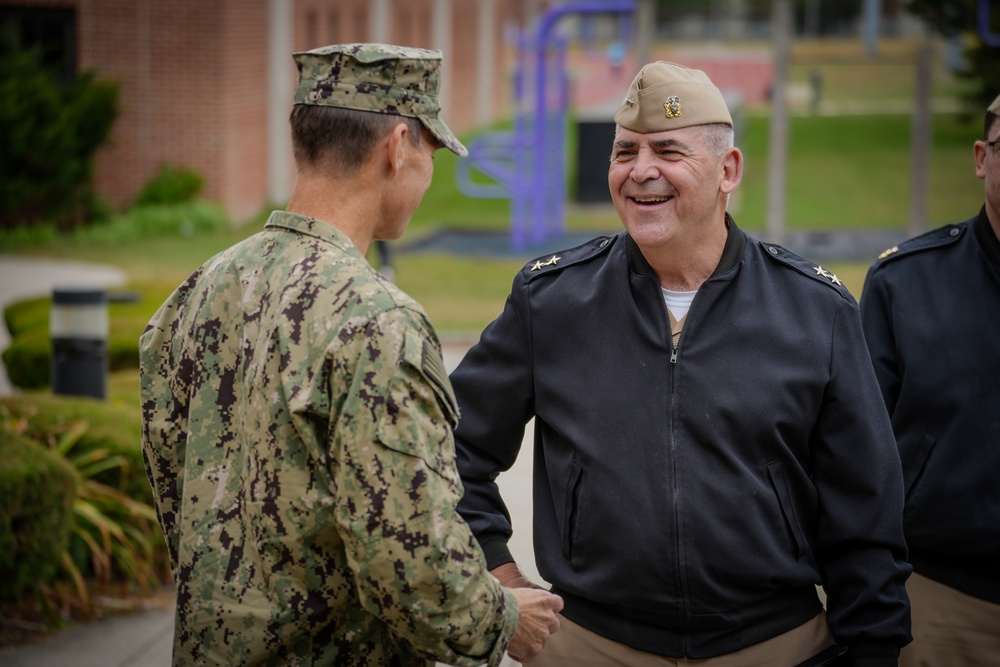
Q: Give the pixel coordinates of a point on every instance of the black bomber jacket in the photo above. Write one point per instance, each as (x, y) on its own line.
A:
(687, 501)
(931, 313)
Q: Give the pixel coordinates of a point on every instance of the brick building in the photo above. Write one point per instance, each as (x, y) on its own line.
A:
(207, 84)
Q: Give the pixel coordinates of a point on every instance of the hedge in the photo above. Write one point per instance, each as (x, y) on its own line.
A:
(37, 488)
(114, 428)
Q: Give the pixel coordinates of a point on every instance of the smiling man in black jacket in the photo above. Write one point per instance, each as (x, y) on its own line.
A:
(931, 313)
(710, 443)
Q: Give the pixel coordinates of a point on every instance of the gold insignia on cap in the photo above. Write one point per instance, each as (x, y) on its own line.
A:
(673, 107)
(888, 251)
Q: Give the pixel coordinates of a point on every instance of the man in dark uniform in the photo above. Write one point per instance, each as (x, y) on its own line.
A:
(931, 313)
(710, 444)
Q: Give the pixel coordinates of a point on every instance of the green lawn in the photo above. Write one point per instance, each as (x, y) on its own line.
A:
(855, 172)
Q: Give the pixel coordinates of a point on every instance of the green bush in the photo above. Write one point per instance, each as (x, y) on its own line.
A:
(38, 489)
(156, 220)
(28, 360)
(112, 428)
(113, 534)
(51, 134)
(172, 185)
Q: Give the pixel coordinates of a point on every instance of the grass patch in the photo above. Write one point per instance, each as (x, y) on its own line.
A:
(854, 172)
(460, 294)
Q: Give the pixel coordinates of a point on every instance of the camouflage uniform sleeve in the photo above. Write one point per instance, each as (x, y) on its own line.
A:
(163, 425)
(417, 565)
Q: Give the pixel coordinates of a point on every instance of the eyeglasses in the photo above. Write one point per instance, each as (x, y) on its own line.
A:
(994, 147)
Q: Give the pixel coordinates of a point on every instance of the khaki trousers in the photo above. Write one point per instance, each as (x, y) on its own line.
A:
(576, 646)
(950, 628)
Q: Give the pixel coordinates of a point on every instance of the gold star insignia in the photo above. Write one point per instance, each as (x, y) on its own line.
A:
(889, 251)
(835, 280)
(553, 259)
(537, 266)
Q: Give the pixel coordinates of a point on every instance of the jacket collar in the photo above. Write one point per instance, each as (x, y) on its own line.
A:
(987, 238)
(736, 242)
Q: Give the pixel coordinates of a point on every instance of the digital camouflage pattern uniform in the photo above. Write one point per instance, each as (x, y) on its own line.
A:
(297, 431)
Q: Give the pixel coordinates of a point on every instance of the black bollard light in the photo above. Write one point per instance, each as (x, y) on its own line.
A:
(78, 325)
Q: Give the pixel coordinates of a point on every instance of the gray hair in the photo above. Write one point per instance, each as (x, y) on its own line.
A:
(719, 138)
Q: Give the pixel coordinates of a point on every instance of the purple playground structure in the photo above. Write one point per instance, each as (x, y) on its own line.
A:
(528, 164)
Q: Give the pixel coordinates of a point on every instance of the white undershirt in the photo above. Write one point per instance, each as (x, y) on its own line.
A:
(678, 302)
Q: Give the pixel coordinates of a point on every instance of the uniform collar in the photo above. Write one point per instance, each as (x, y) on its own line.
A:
(736, 242)
(987, 238)
(286, 220)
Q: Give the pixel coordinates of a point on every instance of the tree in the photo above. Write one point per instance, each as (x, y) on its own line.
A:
(53, 131)
(957, 17)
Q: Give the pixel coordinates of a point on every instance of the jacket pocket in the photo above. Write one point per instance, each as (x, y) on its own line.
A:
(914, 461)
(777, 475)
(570, 508)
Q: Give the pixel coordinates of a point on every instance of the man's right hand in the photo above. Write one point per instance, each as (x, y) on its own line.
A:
(510, 576)
(538, 621)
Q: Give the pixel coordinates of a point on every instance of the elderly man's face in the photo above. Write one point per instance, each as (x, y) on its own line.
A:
(665, 184)
(988, 169)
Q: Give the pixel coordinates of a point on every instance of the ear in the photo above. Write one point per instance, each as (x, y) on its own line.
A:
(397, 148)
(732, 170)
(980, 150)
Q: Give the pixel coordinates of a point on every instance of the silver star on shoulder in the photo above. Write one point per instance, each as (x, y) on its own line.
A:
(551, 261)
(820, 271)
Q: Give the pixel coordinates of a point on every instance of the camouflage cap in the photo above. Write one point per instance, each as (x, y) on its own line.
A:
(382, 78)
(666, 96)
(994, 108)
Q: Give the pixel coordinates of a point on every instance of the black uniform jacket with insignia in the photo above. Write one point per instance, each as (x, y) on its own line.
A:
(687, 501)
(931, 314)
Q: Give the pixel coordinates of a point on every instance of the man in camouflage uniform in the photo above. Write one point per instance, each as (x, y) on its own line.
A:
(297, 417)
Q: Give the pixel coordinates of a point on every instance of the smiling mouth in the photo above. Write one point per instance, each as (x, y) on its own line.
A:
(650, 200)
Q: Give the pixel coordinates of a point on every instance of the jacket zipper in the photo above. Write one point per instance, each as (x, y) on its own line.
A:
(682, 595)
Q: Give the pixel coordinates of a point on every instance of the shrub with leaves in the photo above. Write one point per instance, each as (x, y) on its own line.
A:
(114, 536)
(172, 185)
(38, 489)
(51, 134)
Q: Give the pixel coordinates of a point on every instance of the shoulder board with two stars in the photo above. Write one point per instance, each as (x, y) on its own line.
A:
(936, 238)
(564, 258)
(806, 268)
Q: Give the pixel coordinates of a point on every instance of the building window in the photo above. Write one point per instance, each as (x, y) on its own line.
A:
(49, 32)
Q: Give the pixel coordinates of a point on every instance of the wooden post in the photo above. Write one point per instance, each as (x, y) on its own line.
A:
(921, 141)
(778, 132)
